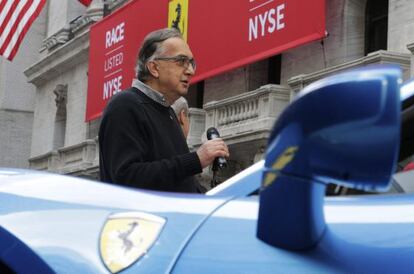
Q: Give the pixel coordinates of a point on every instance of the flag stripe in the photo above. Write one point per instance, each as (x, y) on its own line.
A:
(4, 9)
(23, 27)
(6, 13)
(10, 20)
(2, 5)
(12, 24)
(16, 18)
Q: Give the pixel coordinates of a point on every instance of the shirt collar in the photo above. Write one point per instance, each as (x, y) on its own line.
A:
(150, 92)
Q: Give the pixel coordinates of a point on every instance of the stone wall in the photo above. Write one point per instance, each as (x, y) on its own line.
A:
(45, 111)
(400, 25)
(15, 134)
(236, 82)
(344, 41)
(62, 63)
(17, 99)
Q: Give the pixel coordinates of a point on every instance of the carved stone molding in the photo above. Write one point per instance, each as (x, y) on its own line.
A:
(115, 4)
(249, 116)
(61, 92)
(410, 47)
(80, 23)
(59, 38)
(81, 159)
(93, 14)
(48, 161)
(73, 52)
(378, 57)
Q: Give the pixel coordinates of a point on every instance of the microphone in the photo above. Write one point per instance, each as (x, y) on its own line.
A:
(219, 162)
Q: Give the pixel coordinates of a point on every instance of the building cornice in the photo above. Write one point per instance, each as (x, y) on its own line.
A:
(116, 4)
(57, 62)
(410, 47)
(66, 48)
(59, 38)
(377, 57)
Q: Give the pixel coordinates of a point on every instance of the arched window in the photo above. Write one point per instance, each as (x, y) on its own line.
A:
(376, 25)
(60, 118)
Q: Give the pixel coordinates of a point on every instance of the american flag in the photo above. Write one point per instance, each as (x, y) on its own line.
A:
(16, 17)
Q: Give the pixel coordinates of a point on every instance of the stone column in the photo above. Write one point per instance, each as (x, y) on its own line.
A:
(197, 128)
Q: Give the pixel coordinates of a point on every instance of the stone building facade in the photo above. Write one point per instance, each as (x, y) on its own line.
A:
(243, 104)
(17, 98)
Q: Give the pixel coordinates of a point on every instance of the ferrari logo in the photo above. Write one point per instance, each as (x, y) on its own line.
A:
(178, 16)
(126, 237)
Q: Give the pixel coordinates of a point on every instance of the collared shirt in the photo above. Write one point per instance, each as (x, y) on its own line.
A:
(150, 92)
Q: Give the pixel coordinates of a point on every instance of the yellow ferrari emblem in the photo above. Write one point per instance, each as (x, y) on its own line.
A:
(126, 237)
(178, 16)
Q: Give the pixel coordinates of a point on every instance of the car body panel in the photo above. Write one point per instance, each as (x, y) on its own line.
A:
(241, 184)
(370, 233)
(71, 212)
(61, 220)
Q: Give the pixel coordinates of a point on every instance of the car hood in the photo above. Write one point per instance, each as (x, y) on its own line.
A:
(60, 218)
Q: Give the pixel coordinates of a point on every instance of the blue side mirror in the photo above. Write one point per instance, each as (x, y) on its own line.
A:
(344, 130)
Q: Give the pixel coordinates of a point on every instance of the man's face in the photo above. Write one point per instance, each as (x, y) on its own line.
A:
(174, 70)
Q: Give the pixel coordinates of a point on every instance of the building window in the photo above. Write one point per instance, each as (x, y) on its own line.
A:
(376, 25)
(195, 95)
(60, 119)
(275, 68)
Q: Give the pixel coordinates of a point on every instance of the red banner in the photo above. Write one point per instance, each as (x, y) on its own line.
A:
(223, 35)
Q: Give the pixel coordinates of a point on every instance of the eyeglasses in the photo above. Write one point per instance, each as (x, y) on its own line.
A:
(181, 60)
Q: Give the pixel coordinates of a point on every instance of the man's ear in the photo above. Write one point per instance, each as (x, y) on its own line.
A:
(153, 69)
(181, 117)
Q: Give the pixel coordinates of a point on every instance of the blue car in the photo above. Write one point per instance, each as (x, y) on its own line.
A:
(348, 130)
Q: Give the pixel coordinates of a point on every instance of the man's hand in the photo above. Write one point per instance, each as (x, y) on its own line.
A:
(210, 150)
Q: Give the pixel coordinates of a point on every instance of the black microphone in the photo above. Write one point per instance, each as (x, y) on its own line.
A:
(219, 162)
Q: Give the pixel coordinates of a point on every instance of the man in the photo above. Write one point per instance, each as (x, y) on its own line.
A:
(141, 143)
(180, 108)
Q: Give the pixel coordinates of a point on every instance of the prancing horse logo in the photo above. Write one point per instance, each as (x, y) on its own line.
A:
(178, 16)
(127, 243)
(126, 237)
(176, 21)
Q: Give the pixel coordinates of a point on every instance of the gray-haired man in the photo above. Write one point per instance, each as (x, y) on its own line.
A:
(140, 140)
(180, 108)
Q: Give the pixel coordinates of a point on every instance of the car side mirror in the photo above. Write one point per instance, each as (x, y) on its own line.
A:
(343, 130)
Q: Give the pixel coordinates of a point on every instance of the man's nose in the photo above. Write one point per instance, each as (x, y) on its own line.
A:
(190, 70)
